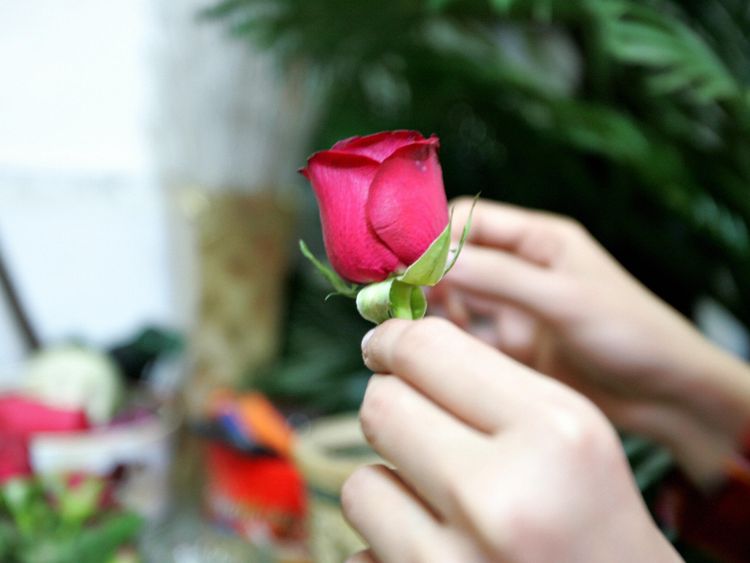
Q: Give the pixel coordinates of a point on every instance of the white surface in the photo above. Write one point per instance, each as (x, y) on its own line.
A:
(88, 255)
(72, 84)
(223, 115)
(92, 381)
(97, 98)
(81, 226)
(100, 451)
(144, 447)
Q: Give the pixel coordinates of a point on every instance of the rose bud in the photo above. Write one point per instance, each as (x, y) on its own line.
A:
(385, 221)
(382, 202)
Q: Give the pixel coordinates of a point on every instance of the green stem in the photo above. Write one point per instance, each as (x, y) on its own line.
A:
(389, 299)
(400, 297)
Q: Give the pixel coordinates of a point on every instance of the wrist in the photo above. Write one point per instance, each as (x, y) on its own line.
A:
(709, 416)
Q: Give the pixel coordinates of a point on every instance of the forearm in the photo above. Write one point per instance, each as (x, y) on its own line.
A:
(707, 504)
(706, 424)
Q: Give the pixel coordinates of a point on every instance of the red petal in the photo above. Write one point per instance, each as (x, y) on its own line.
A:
(407, 206)
(378, 146)
(14, 461)
(341, 182)
(23, 417)
(20, 418)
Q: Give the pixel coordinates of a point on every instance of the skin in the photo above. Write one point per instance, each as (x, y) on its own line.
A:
(555, 300)
(499, 434)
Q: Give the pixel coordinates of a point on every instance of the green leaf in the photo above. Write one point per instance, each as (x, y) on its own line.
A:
(21, 499)
(599, 129)
(502, 6)
(8, 540)
(76, 504)
(339, 285)
(101, 542)
(679, 57)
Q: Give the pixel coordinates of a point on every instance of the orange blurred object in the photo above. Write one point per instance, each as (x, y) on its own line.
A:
(259, 418)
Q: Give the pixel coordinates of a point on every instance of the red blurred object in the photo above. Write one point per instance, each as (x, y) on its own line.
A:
(261, 498)
(717, 522)
(21, 418)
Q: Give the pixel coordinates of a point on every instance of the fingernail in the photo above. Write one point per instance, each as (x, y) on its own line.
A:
(366, 338)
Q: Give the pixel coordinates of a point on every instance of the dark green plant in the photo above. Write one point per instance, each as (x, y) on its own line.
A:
(46, 520)
(632, 116)
(321, 367)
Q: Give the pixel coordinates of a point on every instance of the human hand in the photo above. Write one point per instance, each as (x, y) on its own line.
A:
(492, 461)
(549, 295)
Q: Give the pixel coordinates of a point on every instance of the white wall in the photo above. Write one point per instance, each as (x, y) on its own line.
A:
(81, 225)
(73, 91)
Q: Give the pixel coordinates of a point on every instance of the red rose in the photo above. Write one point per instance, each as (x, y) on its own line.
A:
(382, 202)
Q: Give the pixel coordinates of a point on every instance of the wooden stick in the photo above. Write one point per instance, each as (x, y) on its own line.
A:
(17, 311)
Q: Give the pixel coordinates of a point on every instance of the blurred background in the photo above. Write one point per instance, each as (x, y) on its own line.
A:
(172, 385)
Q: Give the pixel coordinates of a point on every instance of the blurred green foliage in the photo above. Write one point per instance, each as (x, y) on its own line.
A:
(320, 369)
(632, 116)
(48, 520)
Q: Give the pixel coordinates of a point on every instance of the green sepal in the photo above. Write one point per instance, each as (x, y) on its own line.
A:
(407, 301)
(464, 235)
(430, 267)
(339, 285)
(439, 258)
(391, 299)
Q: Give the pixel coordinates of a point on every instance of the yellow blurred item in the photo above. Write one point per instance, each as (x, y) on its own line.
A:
(243, 247)
(326, 454)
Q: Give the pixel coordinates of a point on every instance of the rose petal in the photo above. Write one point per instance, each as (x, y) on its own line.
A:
(341, 182)
(23, 417)
(407, 207)
(378, 146)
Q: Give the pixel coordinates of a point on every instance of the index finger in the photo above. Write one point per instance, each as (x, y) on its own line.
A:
(492, 224)
(532, 235)
(468, 378)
